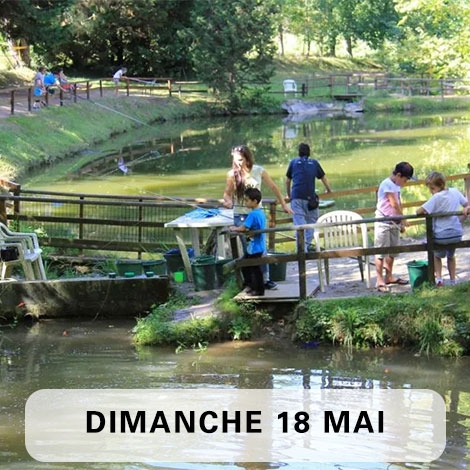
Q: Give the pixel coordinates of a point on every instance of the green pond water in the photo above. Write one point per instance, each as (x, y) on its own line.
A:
(191, 158)
(100, 354)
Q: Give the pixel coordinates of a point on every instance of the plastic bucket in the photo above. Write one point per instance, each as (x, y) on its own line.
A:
(203, 269)
(179, 276)
(174, 260)
(158, 266)
(219, 272)
(418, 272)
(124, 266)
(277, 271)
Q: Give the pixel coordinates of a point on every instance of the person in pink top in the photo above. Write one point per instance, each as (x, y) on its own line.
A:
(387, 233)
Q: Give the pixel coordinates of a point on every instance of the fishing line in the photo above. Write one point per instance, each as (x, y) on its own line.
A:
(114, 111)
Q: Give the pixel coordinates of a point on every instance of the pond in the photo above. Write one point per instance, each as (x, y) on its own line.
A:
(100, 354)
(191, 158)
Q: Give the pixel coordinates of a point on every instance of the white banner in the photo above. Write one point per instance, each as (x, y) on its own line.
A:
(219, 425)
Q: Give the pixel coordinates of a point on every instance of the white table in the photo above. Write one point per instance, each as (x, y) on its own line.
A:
(195, 225)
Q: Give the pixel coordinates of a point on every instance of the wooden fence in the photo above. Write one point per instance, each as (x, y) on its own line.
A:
(136, 223)
(334, 86)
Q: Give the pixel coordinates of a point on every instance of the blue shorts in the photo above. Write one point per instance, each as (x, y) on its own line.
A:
(442, 251)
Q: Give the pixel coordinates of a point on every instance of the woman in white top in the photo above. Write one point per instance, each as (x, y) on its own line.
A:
(245, 174)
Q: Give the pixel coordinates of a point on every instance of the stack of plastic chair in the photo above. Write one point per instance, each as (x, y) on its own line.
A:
(29, 253)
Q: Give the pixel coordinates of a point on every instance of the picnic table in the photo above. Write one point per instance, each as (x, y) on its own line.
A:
(196, 222)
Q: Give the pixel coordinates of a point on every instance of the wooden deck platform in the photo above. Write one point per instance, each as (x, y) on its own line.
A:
(287, 291)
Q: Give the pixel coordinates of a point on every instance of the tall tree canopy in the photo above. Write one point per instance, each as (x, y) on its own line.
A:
(232, 42)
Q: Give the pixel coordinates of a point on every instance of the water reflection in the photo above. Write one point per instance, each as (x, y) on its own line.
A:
(191, 158)
(58, 354)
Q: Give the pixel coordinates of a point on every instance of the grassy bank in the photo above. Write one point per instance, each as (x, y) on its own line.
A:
(430, 321)
(53, 133)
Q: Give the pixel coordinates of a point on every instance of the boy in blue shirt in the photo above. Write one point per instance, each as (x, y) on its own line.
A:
(256, 220)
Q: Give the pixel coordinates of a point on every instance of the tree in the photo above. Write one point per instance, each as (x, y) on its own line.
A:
(232, 43)
(436, 37)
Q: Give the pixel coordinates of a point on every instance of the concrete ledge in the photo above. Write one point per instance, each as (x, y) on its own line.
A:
(83, 297)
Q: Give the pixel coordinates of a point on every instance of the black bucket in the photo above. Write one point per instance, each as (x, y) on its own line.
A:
(277, 271)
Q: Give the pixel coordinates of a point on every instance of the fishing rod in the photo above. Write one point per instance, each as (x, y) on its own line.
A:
(196, 206)
(114, 111)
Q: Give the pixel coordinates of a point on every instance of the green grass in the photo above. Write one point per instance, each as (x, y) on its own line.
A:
(429, 321)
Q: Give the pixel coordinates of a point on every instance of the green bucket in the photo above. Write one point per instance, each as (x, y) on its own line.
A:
(158, 266)
(219, 272)
(124, 266)
(174, 260)
(203, 269)
(277, 271)
(418, 272)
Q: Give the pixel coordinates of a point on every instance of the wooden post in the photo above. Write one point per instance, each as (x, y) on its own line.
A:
(466, 181)
(61, 96)
(169, 86)
(139, 236)
(236, 255)
(301, 263)
(101, 88)
(30, 98)
(87, 90)
(12, 102)
(127, 87)
(271, 224)
(430, 249)
(80, 226)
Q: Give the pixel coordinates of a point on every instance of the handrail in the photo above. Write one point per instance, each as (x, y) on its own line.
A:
(302, 256)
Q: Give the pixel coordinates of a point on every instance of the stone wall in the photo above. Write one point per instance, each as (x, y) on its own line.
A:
(83, 297)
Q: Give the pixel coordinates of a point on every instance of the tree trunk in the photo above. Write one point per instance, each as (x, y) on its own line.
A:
(281, 40)
(349, 46)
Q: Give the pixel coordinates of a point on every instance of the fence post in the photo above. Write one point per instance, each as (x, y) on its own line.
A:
(30, 93)
(301, 263)
(139, 236)
(271, 224)
(80, 225)
(169, 87)
(101, 88)
(87, 89)
(12, 102)
(127, 87)
(430, 248)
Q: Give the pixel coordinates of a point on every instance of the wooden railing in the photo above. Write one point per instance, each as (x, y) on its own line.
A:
(136, 223)
(301, 256)
(336, 86)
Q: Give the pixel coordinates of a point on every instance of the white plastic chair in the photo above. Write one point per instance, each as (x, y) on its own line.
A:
(30, 254)
(289, 86)
(341, 237)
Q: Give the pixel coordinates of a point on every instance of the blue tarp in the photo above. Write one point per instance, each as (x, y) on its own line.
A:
(201, 213)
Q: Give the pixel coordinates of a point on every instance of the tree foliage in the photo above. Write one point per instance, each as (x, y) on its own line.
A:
(230, 43)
